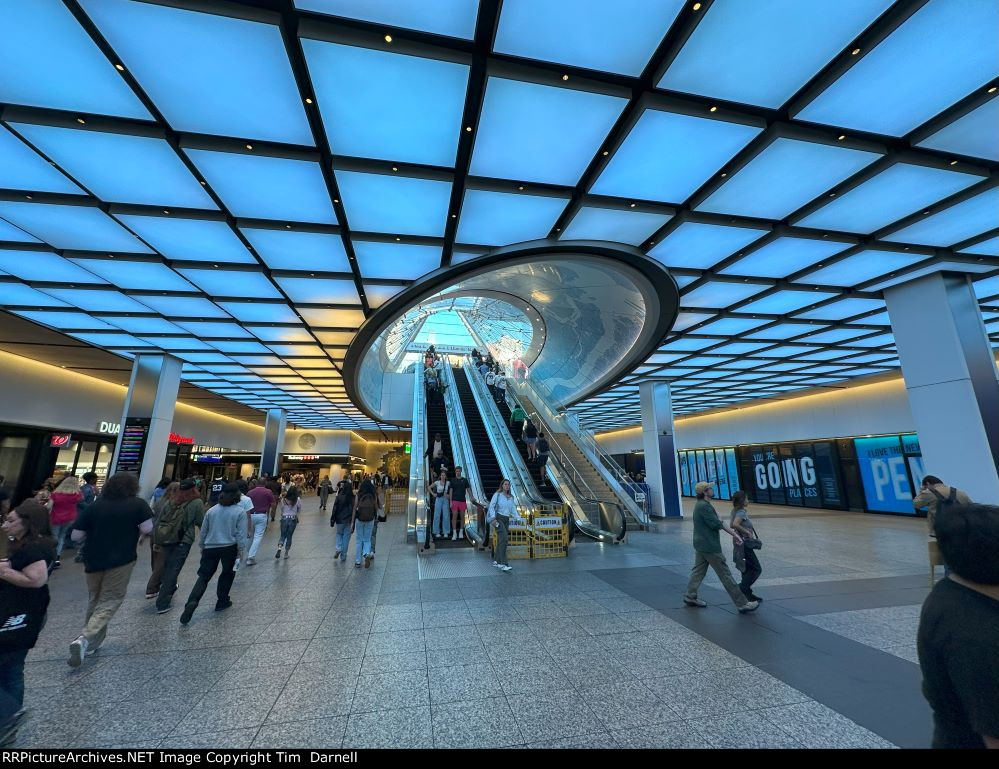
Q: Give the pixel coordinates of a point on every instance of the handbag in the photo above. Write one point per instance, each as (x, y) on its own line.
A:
(752, 544)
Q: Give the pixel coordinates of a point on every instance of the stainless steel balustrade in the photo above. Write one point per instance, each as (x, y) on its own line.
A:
(416, 506)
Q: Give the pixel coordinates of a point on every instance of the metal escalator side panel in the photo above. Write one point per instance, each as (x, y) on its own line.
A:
(462, 448)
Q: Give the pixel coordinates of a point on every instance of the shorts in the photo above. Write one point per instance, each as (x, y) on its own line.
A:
(530, 441)
(459, 507)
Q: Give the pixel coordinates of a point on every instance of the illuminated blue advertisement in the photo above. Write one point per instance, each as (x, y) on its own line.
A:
(885, 470)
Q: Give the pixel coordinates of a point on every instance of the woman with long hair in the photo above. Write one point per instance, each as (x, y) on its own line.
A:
(291, 506)
(223, 540)
(745, 556)
(343, 510)
(24, 600)
(64, 501)
(157, 554)
(501, 509)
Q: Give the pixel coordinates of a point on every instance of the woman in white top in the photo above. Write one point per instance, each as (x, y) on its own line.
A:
(500, 384)
(501, 509)
(440, 491)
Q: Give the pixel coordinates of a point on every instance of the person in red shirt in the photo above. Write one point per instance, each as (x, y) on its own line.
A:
(63, 512)
(263, 501)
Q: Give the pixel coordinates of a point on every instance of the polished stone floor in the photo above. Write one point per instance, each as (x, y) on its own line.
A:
(595, 650)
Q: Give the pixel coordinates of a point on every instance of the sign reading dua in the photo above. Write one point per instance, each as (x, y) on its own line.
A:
(113, 428)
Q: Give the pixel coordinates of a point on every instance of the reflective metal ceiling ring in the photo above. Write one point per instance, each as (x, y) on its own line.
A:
(659, 291)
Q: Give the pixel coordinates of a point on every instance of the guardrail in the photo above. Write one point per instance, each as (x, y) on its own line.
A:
(417, 501)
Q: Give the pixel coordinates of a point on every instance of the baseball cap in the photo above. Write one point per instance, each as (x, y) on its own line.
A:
(703, 486)
(187, 485)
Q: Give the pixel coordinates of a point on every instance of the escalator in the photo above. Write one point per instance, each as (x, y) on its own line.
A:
(437, 423)
(547, 490)
(485, 457)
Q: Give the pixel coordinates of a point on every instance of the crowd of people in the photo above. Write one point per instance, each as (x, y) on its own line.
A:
(109, 525)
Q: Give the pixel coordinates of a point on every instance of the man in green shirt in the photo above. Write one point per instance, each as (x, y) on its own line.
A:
(708, 552)
(517, 417)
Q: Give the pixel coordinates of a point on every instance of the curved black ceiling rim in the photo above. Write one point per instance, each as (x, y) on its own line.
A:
(658, 288)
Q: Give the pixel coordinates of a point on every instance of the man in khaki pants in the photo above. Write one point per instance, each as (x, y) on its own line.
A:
(111, 527)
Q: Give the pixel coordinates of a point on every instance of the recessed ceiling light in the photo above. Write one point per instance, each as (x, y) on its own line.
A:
(308, 101)
(398, 239)
(953, 162)
(29, 197)
(724, 175)
(454, 216)
(713, 109)
(249, 146)
(202, 181)
(119, 67)
(395, 168)
(632, 205)
(992, 89)
(336, 200)
(388, 38)
(697, 6)
(841, 137)
(81, 121)
(606, 153)
(166, 211)
(287, 226)
(520, 187)
(565, 77)
(855, 51)
(468, 128)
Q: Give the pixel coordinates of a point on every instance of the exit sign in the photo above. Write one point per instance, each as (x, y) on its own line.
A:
(407, 447)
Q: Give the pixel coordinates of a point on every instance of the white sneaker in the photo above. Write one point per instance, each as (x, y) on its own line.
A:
(506, 568)
(497, 564)
(454, 536)
(77, 651)
(461, 533)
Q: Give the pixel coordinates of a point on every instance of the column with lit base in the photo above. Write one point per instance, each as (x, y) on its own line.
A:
(147, 419)
(660, 448)
(951, 380)
(270, 454)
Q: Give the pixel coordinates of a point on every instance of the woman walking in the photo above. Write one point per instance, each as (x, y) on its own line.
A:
(223, 540)
(501, 510)
(744, 554)
(24, 600)
(64, 501)
(174, 534)
(325, 488)
(343, 511)
(291, 506)
(157, 555)
(365, 512)
(440, 491)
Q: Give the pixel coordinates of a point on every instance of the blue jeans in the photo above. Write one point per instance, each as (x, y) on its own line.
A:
(11, 683)
(442, 512)
(343, 539)
(259, 524)
(59, 534)
(288, 525)
(363, 531)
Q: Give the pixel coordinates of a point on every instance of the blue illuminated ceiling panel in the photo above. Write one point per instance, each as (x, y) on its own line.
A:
(65, 320)
(988, 247)
(235, 283)
(319, 291)
(394, 204)
(975, 134)
(44, 266)
(702, 245)
(784, 256)
(844, 308)
(861, 267)
(540, 133)
(720, 295)
(454, 18)
(499, 218)
(295, 250)
(894, 193)
(936, 57)
(260, 312)
(118, 167)
(640, 168)
(783, 302)
(183, 307)
(957, 223)
(377, 104)
(72, 75)
(199, 240)
(136, 325)
(17, 294)
(615, 224)
(784, 177)
(77, 227)
(593, 34)
(21, 168)
(95, 300)
(15, 234)
(398, 261)
(227, 76)
(762, 53)
(262, 187)
(378, 295)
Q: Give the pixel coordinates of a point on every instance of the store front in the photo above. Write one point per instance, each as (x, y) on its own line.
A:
(214, 463)
(875, 474)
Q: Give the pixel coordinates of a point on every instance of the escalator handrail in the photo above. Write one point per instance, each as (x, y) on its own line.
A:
(417, 501)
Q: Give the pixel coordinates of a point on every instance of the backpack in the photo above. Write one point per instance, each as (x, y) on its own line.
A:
(945, 503)
(170, 525)
(366, 507)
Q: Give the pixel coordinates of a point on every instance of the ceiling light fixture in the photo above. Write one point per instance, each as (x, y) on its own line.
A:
(697, 6)
(468, 128)
(520, 187)
(855, 51)
(81, 121)
(713, 109)
(249, 146)
(606, 153)
(953, 162)
(841, 137)
(395, 168)
(992, 89)
(308, 101)
(119, 67)
(29, 197)
(388, 38)
(632, 205)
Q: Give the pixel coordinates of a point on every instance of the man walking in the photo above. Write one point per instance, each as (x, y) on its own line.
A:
(174, 534)
(263, 500)
(934, 493)
(708, 552)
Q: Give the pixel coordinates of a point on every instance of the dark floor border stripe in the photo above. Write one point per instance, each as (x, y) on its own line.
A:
(877, 690)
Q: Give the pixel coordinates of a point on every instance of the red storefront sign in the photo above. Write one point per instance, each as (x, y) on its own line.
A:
(174, 438)
(58, 441)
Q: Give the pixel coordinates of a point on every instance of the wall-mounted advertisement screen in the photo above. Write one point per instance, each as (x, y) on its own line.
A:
(884, 470)
(717, 466)
(800, 474)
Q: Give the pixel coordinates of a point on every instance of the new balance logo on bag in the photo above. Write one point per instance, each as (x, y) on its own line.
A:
(14, 623)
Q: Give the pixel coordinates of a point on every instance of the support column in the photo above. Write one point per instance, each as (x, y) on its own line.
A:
(951, 380)
(147, 418)
(660, 448)
(270, 454)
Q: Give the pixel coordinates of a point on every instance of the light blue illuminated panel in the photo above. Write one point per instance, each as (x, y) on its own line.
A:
(378, 104)
(975, 134)
(965, 220)
(15, 294)
(730, 326)
(65, 320)
(232, 283)
(198, 240)
(260, 187)
(720, 295)
(540, 133)
(784, 256)
(893, 194)
(94, 300)
(622, 226)
(861, 267)
(395, 260)
(48, 60)
(593, 34)
(763, 52)
(500, 218)
(145, 325)
(783, 331)
(78, 227)
(120, 168)
(935, 58)
(42, 265)
(112, 340)
(844, 308)
(453, 18)
(183, 307)
(784, 177)
(207, 73)
(784, 302)
(213, 329)
(23, 169)
(988, 247)
(319, 291)
(378, 295)
(702, 245)
(698, 148)
(394, 204)
(253, 312)
(9, 232)
(291, 250)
